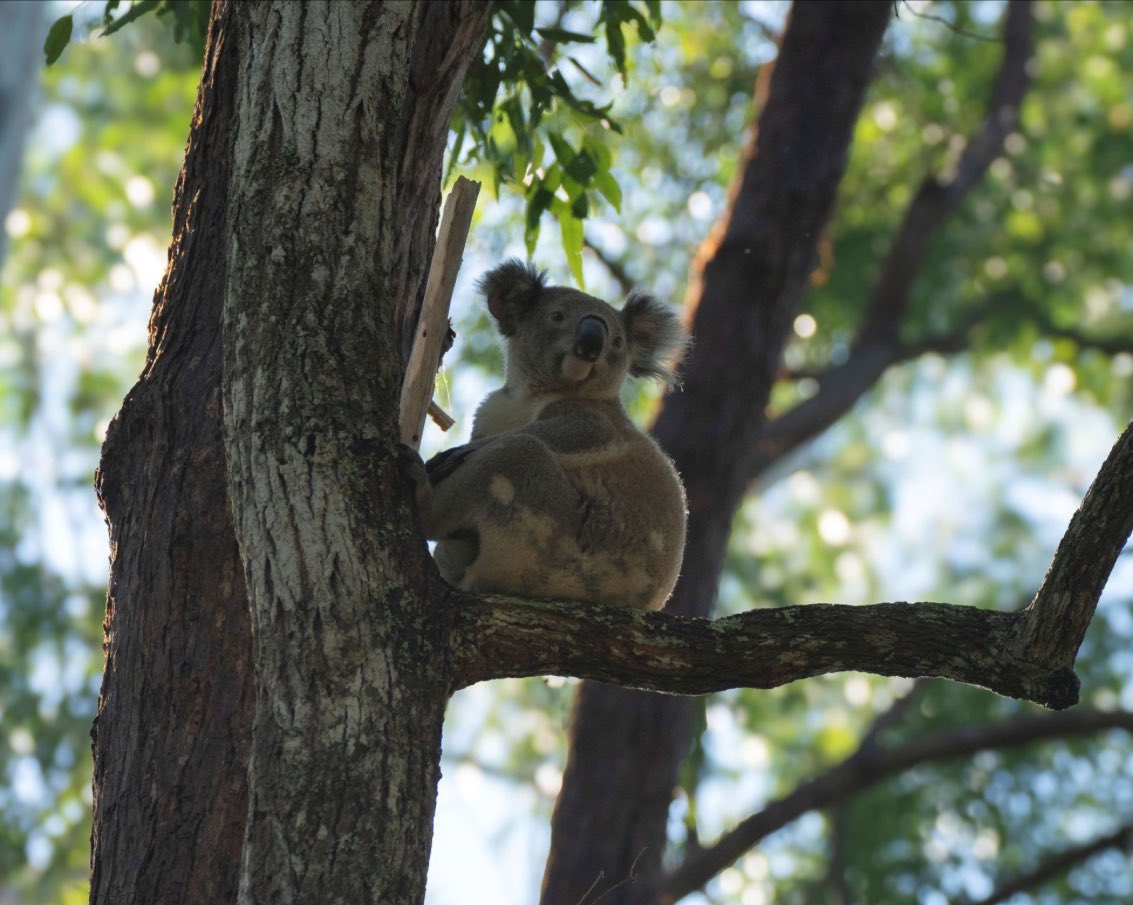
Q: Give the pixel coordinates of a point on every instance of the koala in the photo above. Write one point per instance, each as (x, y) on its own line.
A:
(559, 494)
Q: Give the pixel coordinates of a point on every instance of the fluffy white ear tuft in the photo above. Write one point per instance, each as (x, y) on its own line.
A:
(511, 290)
(656, 338)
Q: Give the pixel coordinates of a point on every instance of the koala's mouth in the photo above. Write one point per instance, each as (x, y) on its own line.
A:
(575, 368)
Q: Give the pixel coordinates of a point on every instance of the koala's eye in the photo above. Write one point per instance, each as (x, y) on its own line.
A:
(618, 342)
(558, 317)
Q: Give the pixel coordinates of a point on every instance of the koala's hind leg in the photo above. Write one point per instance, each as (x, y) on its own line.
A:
(490, 483)
(500, 513)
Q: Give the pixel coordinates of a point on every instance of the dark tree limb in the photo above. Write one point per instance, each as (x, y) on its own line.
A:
(837, 888)
(872, 764)
(938, 196)
(499, 637)
(878, 345)
(1122, 838)
(1052, 626)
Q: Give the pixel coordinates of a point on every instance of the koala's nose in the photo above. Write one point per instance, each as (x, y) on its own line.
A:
(590, 337)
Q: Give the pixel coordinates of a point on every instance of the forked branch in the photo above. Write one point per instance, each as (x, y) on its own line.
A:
(1028, 655)
(878, 344)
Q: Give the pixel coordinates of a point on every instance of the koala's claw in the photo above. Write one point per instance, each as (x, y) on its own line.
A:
(412, 463)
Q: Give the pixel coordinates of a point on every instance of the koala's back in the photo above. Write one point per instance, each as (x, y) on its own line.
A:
(605, 525)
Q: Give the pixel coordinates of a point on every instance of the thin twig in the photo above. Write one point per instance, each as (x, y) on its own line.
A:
(897, 4)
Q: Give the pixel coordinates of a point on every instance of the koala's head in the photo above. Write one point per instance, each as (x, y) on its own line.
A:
(562, 340)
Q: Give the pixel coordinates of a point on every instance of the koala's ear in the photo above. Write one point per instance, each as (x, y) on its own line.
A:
(511, 290)
(656, 337)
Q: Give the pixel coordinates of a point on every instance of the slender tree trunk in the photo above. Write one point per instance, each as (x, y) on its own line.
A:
(610, 819)
(174, 722)
(303, 227)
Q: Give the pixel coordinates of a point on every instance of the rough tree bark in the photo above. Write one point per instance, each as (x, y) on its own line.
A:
(173, 727)
(334, 164)
(343, 108)
(626, 747)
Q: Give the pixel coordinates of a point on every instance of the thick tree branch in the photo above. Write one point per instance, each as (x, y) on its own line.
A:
(1060, 864)
(878, 345)
(1028, 655)
(839, 389)
(872, 764)
(937, 196)
(498, 637)
(1054, 623)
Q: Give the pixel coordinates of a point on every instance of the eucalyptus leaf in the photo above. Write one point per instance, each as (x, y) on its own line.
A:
(58, 36)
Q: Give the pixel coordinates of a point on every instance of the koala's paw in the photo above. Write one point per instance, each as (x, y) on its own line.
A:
(412, 464)
(445, 463)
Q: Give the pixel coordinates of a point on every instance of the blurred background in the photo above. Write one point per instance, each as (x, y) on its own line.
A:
(951, 480)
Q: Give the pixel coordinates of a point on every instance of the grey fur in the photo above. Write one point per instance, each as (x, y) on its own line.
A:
(559, 495)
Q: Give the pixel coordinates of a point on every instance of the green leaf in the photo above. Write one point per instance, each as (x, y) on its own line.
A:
(538, 202)
(605, 183)
(586, 73)
(616, 46)
(564, 153)
(553, 178)
(571, 228)
(513, 107)
(111, 5)
(602, 155)
(57, 38)
(580, 207)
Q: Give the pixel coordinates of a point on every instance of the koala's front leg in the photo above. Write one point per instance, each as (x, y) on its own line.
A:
(433, 506)
(415, 467)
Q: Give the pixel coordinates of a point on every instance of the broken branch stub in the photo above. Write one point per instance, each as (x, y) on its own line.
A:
(417, 388)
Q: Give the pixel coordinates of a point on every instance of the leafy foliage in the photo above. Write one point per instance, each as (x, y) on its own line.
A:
(532, 129)
(188, 18)
(88, 234)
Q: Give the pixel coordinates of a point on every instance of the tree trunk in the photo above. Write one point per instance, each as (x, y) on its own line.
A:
(304, 222)
(610, 819)
(172, 734)
(351, 691)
